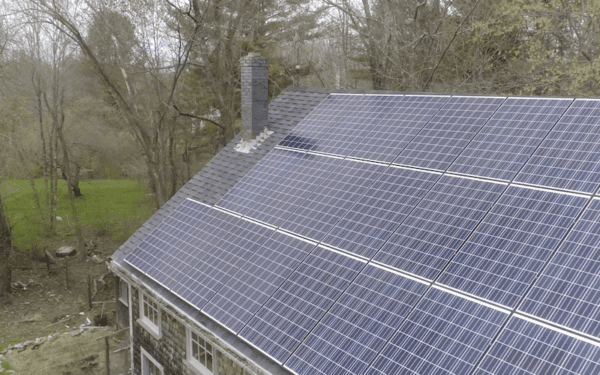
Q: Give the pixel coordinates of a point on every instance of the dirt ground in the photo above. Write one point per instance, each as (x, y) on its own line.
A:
(46, 308)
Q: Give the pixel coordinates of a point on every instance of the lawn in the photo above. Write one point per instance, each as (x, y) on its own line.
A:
(109, 207)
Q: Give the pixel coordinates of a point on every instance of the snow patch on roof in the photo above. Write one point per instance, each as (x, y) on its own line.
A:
(247, 146)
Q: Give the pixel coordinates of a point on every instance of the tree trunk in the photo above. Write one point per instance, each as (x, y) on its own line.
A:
(75, 181)
(5, 253)
(67, 171)
(53, 191)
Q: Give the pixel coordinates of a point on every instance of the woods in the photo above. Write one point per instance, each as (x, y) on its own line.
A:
(149, 90)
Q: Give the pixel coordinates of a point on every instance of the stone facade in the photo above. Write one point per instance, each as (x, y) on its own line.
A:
(170, 349)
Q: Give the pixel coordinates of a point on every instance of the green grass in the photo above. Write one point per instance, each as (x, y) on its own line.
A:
(115, 207)
(4, 367)
(14, 340)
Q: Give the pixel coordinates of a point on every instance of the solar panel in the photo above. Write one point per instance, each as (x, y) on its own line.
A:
(445, 334)
(569, 158)
(355, 124)
(302, 179)
(568, 291)
(217, 265)
(185, 235)
(370, 222)
(357, 326)
(252, 285)
(448, 132)
(289, 315)
(506, 252)
(398, 127)
(259, 180)
(315, 124)
(528, 348)
(324, 207)
(435, 230)
(510, 137)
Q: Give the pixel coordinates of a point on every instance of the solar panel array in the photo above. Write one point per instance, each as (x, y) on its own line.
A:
(406, 235)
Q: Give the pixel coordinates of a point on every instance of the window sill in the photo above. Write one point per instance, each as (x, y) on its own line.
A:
(150, 327)
(124, 302)
(196, 367)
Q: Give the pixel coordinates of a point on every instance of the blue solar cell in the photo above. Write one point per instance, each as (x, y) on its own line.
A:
(259, 180)
(252, 285)
(218, 263)
(317, 123)
(302, 179)
(445, 334)
(435, 230)
(510, 137)
(528, 348)
(398, 127)
(289, 315)
(357, 326)
(506, 252)
(355, 124)
(179, 241)
(380, 210)
(568, 290)
(332, 199)
(569, 157)
(448, 132)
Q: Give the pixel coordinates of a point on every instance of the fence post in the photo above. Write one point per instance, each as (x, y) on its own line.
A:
(67, 272)
(107, 354)
(89, 284)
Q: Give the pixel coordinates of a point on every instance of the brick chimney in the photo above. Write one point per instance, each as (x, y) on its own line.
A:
(255, 89)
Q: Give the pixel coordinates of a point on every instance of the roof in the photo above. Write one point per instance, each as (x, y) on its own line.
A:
(401, 233)
(221, 173)
(228, 166)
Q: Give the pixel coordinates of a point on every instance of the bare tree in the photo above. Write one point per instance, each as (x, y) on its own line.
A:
(143, 85)
(5, 252)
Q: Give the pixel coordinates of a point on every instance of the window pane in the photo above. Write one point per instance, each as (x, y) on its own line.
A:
(195, 351)
(149, 367)
(209, 361)
(202, 358)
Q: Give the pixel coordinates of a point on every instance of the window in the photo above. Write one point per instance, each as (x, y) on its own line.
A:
(150, 316)
(150, 310)
(124, 292)
(149, 365)
(200, 354)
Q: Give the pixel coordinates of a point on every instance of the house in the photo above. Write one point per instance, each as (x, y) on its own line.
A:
(377, 233)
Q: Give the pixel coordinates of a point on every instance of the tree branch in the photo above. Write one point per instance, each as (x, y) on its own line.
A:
(197, 117)
(448, 46)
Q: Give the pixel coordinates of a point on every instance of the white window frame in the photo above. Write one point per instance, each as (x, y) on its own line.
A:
(192, 362)
(122, 284)
(153, 328)
(147, 356)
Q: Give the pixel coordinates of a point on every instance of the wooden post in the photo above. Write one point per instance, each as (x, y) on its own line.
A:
(67, 272)
(89, 284)
(49, 260)
(107, 355)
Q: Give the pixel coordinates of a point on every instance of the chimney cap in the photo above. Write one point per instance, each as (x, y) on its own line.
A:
(250, 57)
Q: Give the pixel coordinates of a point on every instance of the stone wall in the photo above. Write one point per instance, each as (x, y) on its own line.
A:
(170, 349)
(227, 366)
